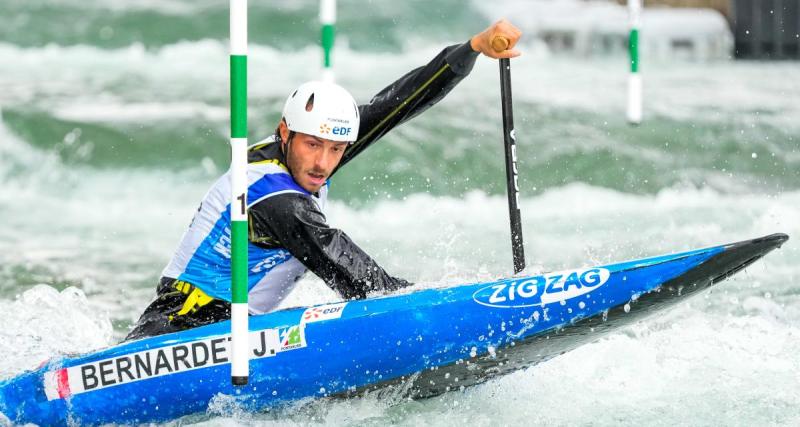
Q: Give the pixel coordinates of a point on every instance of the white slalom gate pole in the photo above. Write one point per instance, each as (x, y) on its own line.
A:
(635, 79)
(238, 208)
(327, 17)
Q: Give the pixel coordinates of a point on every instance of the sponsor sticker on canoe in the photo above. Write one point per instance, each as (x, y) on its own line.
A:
(541, 290)
(292, 337)
(157, 362)
(323, 312)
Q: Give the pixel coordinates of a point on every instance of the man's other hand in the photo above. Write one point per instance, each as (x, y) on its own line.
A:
(482, 42)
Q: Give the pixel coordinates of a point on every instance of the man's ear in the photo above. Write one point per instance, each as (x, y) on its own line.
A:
(283, 132)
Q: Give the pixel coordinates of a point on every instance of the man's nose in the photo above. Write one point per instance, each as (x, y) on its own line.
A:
(323, 160)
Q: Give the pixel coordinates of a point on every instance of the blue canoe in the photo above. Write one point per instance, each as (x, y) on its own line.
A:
(429, 341)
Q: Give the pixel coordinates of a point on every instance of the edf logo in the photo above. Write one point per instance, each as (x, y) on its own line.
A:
(341, 130)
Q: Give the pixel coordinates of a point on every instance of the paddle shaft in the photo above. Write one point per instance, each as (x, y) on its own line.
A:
(512, 180)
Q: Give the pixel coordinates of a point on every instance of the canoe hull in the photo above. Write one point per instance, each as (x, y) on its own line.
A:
(429, 341)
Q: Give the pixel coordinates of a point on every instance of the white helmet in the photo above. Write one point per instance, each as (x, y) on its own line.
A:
(325, 110)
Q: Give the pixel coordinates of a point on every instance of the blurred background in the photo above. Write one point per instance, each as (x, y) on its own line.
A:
(114, 123)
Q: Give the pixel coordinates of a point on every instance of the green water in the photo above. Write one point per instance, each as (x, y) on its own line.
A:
(113, 124)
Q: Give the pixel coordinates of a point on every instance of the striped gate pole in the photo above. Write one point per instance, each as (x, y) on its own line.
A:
(238, 207)
(635, 79)
(327, 17)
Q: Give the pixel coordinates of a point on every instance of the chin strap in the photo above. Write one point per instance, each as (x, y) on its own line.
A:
(289, 140)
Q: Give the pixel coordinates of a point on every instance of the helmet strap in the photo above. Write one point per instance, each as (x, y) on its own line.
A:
(286, 148)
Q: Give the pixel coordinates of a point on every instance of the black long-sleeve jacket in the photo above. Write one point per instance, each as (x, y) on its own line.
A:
(294, 221)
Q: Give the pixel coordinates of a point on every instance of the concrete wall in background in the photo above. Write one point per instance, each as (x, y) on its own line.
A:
(766, 29)
(762, 29)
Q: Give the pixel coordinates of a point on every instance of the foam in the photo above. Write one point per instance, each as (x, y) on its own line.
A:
(109, 232)
(43, 323)
(714, 92)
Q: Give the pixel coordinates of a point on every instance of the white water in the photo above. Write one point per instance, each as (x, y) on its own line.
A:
(82, 246)
(134, 83)
(728, 357)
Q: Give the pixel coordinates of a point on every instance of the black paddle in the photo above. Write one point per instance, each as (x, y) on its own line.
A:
(500, 44)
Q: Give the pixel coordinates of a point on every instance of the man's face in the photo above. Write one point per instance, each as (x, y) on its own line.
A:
(311, 159)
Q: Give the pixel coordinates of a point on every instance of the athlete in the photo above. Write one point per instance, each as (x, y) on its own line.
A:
(321, 130)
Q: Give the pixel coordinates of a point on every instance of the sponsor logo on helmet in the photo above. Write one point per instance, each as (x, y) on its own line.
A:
(541, 290)
(342, 130)
(336, 130)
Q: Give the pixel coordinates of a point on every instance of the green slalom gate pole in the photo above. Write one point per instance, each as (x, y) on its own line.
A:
(238, 207)
(327, 17)
(635, 79)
